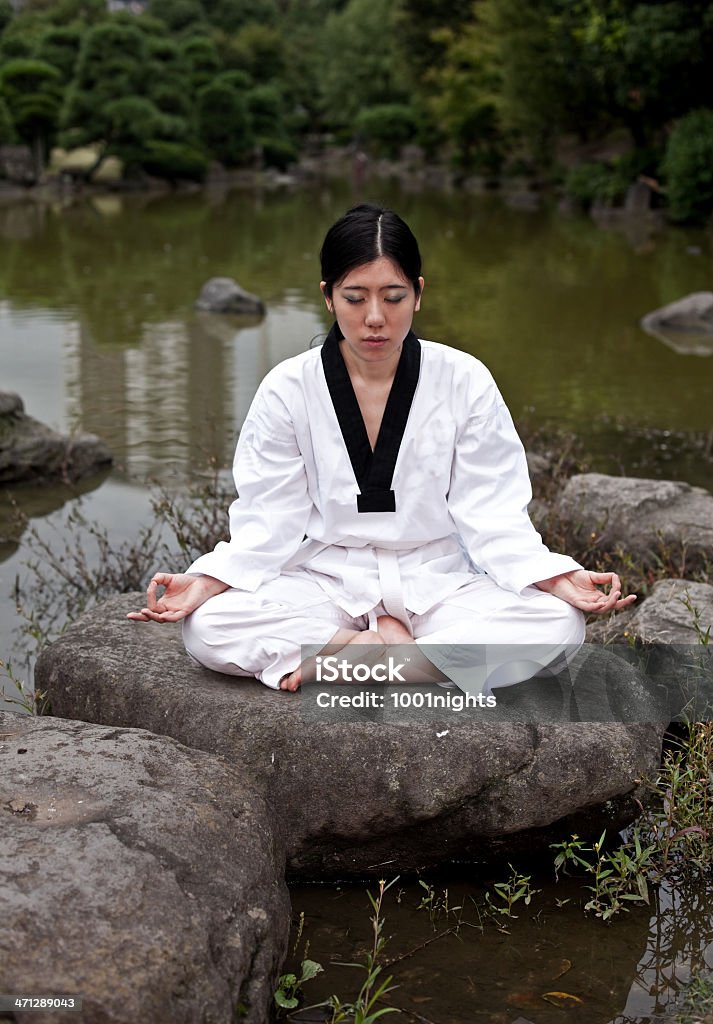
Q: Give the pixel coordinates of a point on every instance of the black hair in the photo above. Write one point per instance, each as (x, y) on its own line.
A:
(361, 236)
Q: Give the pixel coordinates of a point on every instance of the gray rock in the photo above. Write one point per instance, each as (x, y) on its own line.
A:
(670, 635)
(685, 325)
(136, 873)
(31, 452)
(17, 165)
(639, 198)
(676, 612)
(10, 404)
(539, 467)
(674, 627)
(224, 295)
(647, 518)
(353, 792)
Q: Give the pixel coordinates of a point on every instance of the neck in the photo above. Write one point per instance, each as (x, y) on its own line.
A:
(380, 372)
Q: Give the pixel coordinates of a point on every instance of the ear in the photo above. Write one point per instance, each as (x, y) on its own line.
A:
(418, 300)
(328, 301)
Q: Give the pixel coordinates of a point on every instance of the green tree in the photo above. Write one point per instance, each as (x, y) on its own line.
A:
(59, 45)
(361, 64)
(420, 28)
(32, 90)
(388, 127)
(89, 12)
(131, 123)
(688, 167)
(108, 100)
(224, 121)
(663, 68)
(179, 15)
(465, 94)
(6, 13)
(202, 60)
(267, 112)
(232, 15)
(259, 50)
(166, 74)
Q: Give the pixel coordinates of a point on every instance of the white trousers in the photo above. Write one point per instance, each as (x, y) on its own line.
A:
(481, 636)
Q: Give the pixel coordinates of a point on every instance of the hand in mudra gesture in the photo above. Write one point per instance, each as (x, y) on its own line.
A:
(183, 594)
(581, 588)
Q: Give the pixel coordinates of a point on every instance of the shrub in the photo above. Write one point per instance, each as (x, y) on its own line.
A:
(388, 127)
(174, 160)
(224, 122)
(589, 182)
(278, 153)
(688, 167)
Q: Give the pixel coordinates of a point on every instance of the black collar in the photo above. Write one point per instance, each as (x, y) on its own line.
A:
(373, 470)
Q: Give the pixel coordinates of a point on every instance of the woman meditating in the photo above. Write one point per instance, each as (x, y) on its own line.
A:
(382, 499)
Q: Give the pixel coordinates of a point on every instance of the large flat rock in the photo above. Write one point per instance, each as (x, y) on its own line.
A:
(350, 794)
(137, 874)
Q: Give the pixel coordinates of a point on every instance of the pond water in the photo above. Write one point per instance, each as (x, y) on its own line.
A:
(98, 333)
(545, 964)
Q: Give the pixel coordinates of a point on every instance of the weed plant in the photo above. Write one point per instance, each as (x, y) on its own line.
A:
(33, 702)
(696, 1007)
(366, 1008)
(79, 565)
(672, 838)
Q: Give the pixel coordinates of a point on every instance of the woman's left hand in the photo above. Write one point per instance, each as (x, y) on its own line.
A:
(581, 588)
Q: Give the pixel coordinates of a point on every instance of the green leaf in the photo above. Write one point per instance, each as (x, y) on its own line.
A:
(288, 1003)
(310, 969)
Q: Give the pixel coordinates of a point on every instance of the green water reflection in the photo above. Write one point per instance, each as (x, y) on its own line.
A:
(550, 303)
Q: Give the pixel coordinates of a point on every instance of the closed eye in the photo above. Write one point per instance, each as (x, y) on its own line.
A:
(353, 301)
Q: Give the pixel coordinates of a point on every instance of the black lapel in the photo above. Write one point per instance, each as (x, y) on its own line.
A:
(373, 472)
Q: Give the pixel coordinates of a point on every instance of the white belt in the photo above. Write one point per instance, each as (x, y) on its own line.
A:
(391, 588)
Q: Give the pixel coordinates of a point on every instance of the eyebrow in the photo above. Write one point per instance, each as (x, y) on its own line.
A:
(363, 288)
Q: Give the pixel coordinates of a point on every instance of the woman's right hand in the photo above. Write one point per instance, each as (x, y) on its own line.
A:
(183, 594)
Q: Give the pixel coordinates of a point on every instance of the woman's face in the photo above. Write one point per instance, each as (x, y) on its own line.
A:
(374, 306)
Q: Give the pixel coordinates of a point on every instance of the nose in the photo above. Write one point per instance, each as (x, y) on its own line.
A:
(374, 312)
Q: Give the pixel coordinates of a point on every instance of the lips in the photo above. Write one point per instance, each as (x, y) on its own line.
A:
(376, 338)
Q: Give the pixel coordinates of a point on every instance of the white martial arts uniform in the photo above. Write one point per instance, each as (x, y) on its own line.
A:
(454, 560)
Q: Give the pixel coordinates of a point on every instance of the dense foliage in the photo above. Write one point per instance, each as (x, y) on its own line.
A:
(495, 86)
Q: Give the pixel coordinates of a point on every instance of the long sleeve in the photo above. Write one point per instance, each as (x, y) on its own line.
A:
(269, 517)
(488, 498)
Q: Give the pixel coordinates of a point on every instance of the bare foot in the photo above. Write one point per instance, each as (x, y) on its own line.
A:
(393, 631)
(339, 642)
(293, 681)
(367, 636)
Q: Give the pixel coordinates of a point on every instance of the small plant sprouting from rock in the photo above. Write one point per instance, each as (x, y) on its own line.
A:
(703, 634)
(32, 702)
